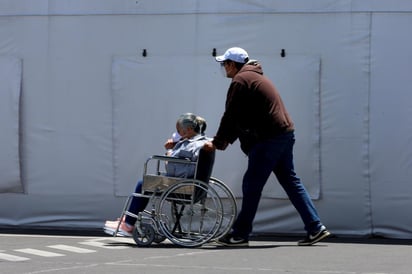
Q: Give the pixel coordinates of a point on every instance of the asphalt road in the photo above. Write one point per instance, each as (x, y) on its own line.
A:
(30, 253)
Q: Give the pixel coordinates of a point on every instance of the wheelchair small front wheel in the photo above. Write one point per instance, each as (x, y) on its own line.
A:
(145, 235)
(159, 238)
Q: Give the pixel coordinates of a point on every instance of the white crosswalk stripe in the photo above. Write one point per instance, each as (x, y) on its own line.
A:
(12, 258)
(39, 252)
(97, 242)
(72, 248)
(102, 245)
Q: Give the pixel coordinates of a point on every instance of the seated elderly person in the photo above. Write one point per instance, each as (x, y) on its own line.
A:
(190, 139)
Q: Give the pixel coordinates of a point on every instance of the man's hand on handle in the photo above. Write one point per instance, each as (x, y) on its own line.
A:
(209, 146)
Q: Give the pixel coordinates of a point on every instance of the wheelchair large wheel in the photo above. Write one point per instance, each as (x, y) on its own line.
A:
(229, 206)
(144, 236)
(190, 213)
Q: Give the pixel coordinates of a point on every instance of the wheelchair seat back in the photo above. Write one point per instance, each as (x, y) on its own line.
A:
(205, 164)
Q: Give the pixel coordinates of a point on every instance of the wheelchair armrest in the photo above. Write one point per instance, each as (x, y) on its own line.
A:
(171, 159)
(162, 158)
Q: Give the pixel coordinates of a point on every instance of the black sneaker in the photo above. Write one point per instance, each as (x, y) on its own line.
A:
(231, 240)
(314, 238)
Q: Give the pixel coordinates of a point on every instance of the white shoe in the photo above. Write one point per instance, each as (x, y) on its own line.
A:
(120, 233)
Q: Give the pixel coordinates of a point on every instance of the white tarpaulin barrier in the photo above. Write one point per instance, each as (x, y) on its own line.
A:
(92, 108)
(10, 87)
(142, 103)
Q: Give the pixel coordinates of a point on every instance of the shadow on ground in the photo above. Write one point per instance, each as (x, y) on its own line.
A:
(276, 239)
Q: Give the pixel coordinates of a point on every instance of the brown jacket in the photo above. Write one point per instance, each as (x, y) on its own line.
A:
(254, 110)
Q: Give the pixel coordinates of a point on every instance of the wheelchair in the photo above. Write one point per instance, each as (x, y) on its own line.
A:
(188, 212)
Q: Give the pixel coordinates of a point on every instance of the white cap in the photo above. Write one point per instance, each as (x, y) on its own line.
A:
(236, 54)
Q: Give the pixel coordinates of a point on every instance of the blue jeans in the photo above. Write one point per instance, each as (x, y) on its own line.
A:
(273, 155)
(138, 204)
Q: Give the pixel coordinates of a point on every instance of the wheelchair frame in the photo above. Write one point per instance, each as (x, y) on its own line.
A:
(186, 211)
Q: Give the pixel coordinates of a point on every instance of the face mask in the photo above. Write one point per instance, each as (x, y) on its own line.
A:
(223, 70)
(176, 137)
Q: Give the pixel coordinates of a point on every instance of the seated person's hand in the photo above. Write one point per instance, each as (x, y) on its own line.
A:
(169, 144)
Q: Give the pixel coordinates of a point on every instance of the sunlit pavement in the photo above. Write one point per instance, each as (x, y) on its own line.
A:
(34, 253)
